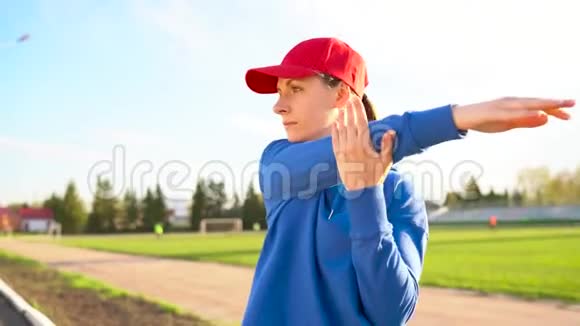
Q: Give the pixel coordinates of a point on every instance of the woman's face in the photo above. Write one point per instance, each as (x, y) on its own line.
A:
(308, 107)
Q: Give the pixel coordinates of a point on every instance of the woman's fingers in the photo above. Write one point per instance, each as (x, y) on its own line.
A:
(362, 121)
(568, 103)
(342, 131)
(531, 112)
(354, 114)
(527, 119)
(539, 104)
(362, 126)
(353, 118)
(335, 138)
(558, 113)
(518, 112)
(358, 163)
(350, 132)
(348, 135)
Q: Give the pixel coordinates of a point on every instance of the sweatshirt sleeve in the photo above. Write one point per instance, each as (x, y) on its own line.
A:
(300, 169)
(388, 253)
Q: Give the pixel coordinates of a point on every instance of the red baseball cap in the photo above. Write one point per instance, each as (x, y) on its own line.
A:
(310, 57)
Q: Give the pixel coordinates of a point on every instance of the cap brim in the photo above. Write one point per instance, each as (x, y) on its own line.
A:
(264, 80)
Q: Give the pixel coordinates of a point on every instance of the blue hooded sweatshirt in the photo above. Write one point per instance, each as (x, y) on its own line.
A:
(338, 257)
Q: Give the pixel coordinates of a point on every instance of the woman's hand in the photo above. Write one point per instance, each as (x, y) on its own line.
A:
(359, 165)
(509, 113)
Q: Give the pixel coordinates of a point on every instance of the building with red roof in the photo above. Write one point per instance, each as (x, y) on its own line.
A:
(35, 219)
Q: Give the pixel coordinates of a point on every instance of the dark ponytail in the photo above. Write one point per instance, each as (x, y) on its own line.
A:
(369, 107)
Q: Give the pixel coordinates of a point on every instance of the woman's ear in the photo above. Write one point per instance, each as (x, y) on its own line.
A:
(342, 95)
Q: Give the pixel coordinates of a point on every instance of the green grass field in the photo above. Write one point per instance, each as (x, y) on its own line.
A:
(238, 249)
(528, 261)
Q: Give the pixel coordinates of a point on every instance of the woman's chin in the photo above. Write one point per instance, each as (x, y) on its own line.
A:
(294, 137)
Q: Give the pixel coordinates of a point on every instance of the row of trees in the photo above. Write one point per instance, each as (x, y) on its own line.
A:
(544, 188)
(209, 201)
(472, 197)
(109, 214)
(535, 187)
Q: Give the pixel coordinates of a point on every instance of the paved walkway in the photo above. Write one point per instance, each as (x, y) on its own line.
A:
(219, 292)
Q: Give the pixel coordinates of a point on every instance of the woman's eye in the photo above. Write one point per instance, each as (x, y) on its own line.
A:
(296, 89)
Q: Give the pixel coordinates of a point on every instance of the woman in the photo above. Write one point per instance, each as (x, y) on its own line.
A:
(346, 237)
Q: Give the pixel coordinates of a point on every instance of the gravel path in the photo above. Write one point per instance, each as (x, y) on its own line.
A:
(219, 292)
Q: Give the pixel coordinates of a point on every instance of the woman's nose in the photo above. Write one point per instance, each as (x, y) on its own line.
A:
(280, 107)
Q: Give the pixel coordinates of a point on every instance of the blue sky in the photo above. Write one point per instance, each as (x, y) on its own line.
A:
(165, 81)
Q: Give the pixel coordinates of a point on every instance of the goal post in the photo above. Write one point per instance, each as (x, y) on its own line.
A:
(230, 224)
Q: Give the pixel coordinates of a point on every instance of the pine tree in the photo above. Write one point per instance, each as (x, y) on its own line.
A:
(517, 199)
(111, 207)
(96, 219)
(236, 209)
(253, 210)
(148, 210)
(199, 204)
(94, 223)
(105, 210)
(56, 204)
(216, 199)
(472, 191)
(74, 213)
(132, 212)
(160, 208)
(505, 198)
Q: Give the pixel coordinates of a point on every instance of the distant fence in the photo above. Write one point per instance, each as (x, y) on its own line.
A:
(570, 212)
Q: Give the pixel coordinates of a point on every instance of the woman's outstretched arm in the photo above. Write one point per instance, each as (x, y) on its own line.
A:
(301, 169)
